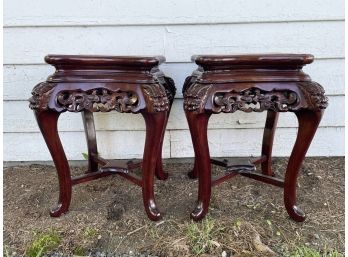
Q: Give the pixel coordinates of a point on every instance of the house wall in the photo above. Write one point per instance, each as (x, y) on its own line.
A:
(176, 29)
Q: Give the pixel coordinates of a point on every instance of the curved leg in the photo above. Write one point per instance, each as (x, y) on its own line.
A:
(154, 127)
(47, 121)
(88, 123)
(308, 124)
(170, 91)
(267, 142)
(198, 124)
(160, 174)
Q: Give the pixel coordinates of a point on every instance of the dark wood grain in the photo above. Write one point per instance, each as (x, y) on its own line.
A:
(308, 122)
(253, 61)
(198, 124)
(47, 121)
(171, 90)
(252, 83)
(267, 141)
(91, 138)
(88, 84)
(102, 61)
(159, 172)
(154, 127)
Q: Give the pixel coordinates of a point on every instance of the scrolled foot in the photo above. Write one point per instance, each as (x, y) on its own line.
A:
(296, 213)
(59, 210)
(152, 212)
(199, 212)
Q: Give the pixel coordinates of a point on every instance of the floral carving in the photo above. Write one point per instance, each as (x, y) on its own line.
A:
(255, 100)
(156, 98)
(314, 95)
(96, 100)
(41, 95)
(195, 96)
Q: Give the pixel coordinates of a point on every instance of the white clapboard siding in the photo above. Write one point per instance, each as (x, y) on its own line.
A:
(77, 40)
(120, 12)
(113, 144)
(177, 144)
(247, 142)
(176, 42)
(20, 79)
(19, 118)
(324, 40)
(176, 29)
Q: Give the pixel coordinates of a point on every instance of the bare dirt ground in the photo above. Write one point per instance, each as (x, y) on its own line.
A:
(106, 215)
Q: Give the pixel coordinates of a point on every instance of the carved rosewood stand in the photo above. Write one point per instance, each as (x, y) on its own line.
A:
(90, 84)
(252, 83)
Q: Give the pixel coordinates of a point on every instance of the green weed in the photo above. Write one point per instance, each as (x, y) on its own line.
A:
(43, 243)
(305, 251)
(79, 251)
(6, 251)
(90, 232)
(201, 236)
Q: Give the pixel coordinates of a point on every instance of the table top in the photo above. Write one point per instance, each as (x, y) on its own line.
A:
(104, 61)
(253, 61)
(106, 69)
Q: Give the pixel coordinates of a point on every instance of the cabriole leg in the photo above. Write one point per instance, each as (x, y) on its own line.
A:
(308, 124)
(154, 127)
(47, 121)
(267, 142)
(88, 123)
(198, 124)
(160, 173)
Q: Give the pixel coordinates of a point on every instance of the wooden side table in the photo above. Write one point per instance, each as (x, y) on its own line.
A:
(252, 83)
(90, 84)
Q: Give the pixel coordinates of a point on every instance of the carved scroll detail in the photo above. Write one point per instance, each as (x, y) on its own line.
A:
(255, 100)
(195, 96)
(41, 94)
(96, 100)
(314, 95)
(156, 98)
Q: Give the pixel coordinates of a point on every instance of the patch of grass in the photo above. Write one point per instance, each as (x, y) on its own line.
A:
(43, 243)
(201, 236)
(214, 202)
(305, 251)
(79, 251)
(90, 232)
(6, 251)
(153, 233)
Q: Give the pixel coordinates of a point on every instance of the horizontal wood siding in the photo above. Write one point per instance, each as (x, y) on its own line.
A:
(142, 12)
(176, 29)
(176, 42)
(177, 144)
